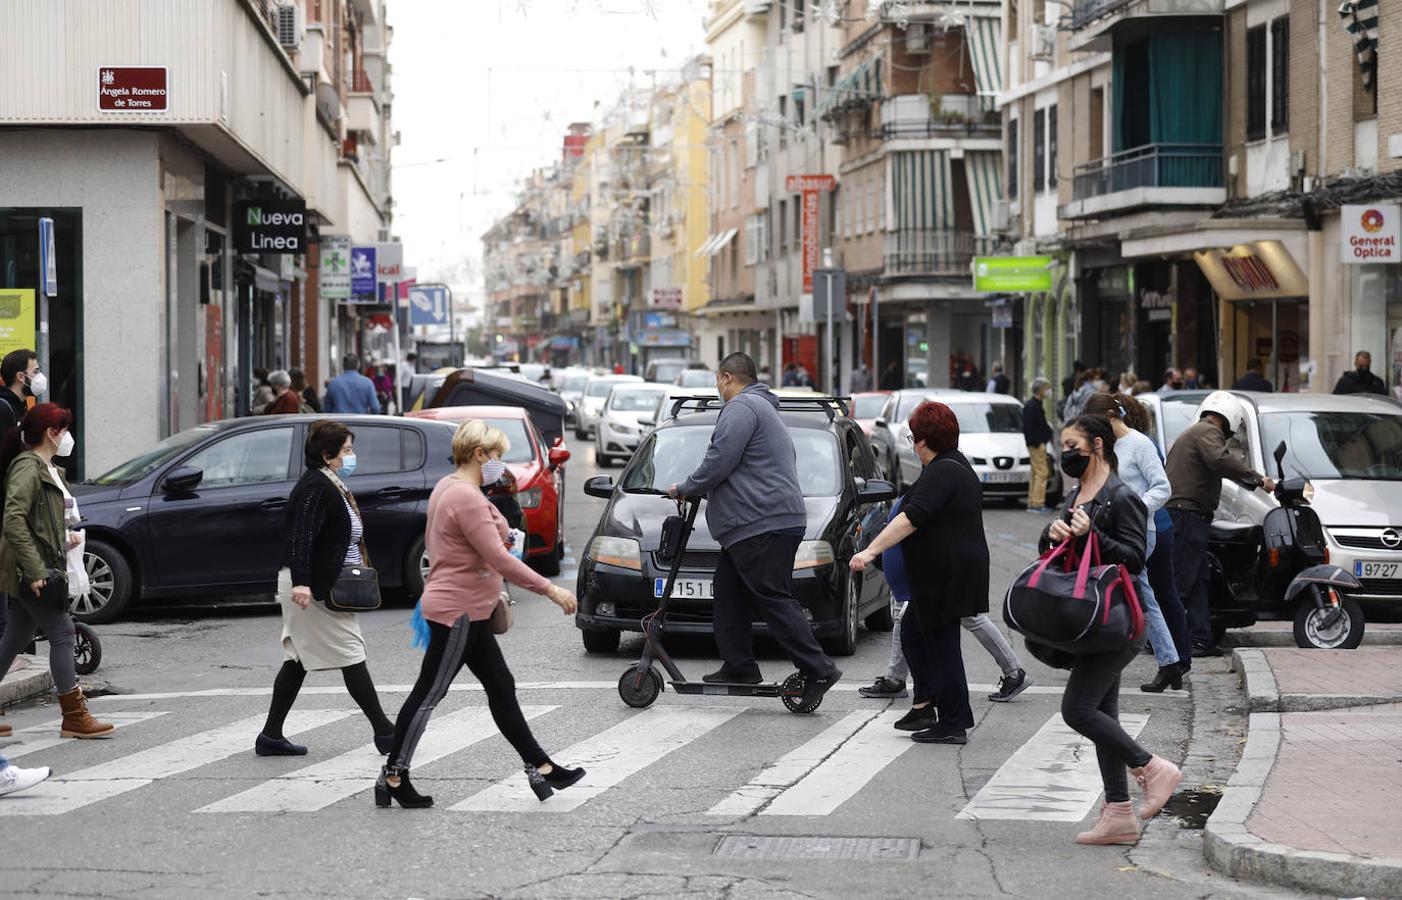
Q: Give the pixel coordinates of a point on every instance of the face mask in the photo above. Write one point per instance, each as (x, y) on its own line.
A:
(492, 471)
(38, 383)
(1074, 463)
(1364, 370)
(348, 465)
(65, 445)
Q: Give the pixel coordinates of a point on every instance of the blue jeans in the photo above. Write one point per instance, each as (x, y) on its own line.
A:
(1165, 653)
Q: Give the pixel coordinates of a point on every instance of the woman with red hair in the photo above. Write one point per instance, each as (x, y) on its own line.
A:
(33, 545)
(940, 530)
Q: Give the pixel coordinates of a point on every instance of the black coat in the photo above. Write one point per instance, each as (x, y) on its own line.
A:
(1035, 429)
(1253, 381)
(1119, 519)
(1351, 382)
(317, 531)
(12, 409)
(946, 559)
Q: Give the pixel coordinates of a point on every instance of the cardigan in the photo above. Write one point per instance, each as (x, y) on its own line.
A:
(946, 558)
(317, 528)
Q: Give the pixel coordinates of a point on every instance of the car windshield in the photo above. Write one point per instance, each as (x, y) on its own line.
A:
(574, 384)
(515, 431)
(672, 454)
(634, 400)
(599, 388)
(985, 418)
(1178, 415)
(137, 468)
(694, 378)
(667, 371)
(1337, 444)
(868, 407)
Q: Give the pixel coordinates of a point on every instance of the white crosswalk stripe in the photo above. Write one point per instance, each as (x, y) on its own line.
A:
(318, 786)
(610, 757)
(45, 736)
(128, 773)
(876, 745)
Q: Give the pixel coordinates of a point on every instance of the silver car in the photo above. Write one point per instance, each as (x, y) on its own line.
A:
(591, 404)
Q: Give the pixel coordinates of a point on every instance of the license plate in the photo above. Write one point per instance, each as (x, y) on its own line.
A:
(1367, 568)
(686, 588)
(1002, 477)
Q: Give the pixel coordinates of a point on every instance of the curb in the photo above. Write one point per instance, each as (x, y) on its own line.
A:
(1263, 695)
(32, 680)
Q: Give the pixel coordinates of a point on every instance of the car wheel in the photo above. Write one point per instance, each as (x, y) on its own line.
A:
(601, 640)
(416, 568)
(110, 584)
(845, 644)
(1345, 634)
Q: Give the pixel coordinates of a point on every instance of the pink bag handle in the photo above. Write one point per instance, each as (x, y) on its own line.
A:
(1083, 574)
(1047, 558)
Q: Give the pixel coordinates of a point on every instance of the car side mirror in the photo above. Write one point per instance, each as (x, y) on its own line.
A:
(182, 479)
(876, 491)
(881, 423)
(649, 422)
(600, 486)
(558, 456)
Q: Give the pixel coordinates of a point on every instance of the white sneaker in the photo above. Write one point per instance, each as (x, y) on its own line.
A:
(13, 778)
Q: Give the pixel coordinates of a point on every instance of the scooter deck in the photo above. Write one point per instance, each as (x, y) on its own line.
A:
(728, 689)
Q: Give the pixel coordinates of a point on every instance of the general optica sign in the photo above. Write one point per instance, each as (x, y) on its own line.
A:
(1370, 234)
(132, 89)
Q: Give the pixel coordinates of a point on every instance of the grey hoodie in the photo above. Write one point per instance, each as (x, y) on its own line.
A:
(749, 475)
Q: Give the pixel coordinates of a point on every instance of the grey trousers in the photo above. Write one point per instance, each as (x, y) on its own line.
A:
(28, 613)
(980, 626)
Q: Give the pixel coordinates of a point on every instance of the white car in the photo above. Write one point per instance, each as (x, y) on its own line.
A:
(591, 404)
(663, 412)
(890, 434)
(626, 417)
(569, 384)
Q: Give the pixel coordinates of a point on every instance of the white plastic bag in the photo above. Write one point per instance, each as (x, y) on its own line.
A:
(78, 585)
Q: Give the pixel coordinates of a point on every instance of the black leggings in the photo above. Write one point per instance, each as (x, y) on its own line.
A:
(1091, 706)
(471, 644)
(358, 684)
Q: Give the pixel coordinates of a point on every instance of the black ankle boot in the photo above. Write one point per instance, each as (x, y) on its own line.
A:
(1166, 677)
(558, 779)
(394, 783)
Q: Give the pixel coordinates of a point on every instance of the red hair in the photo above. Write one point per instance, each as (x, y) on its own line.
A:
(31, 430)
(935, 424)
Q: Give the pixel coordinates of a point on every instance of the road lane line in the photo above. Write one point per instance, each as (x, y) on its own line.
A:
(75, 790)
(875, 746)
(45, 735)
(317, 787)
(1051, 778)
(794, 765)
(609, 756)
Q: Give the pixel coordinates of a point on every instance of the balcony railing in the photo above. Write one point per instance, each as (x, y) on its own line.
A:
(361, 83)
(919, 252)
(1087, 11)
(1150, 166)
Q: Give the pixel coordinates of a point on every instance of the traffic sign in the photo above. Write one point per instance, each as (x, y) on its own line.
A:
(428, 306)
(48, 258)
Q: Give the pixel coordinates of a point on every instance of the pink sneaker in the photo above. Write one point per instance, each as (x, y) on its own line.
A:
(1116, 825)
(1158, 779)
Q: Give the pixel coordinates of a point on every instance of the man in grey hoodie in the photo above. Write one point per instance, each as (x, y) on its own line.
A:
(755, 511)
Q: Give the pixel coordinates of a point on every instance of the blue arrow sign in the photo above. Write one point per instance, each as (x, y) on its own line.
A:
(428, 306)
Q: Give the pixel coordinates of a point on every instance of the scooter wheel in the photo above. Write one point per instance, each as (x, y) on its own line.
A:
(792, 694)
(87, 649)
(639, 687)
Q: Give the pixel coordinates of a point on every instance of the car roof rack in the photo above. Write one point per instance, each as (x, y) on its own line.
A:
(833, 406)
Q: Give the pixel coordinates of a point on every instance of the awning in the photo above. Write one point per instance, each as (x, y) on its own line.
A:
(984, 35)
(1258, 270)
(923, 192)
(1361, 22)
(266, 280)
(724, 238)
(984, 172)
(860, 86)
(705, 248)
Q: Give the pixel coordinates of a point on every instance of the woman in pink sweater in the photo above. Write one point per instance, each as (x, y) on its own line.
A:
(468, 558)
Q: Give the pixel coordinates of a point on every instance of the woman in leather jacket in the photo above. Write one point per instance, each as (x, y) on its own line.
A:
(1090, 706)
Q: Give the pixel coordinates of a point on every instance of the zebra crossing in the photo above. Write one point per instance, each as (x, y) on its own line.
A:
(1052, 776)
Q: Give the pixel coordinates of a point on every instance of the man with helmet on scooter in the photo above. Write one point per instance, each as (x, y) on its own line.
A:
(1196, 465)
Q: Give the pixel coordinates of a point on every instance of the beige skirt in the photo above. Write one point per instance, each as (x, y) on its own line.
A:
(317, 637)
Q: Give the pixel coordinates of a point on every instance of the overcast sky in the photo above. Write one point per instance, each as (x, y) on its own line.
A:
(489, 86)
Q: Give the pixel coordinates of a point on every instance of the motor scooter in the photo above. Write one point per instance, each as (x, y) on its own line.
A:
(1283, 566)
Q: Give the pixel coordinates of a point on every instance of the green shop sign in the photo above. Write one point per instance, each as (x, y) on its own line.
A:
(1013, 274)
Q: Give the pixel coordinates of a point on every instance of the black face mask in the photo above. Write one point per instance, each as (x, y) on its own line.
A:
(1176, 385)
(1074, 463)
(1364, 370)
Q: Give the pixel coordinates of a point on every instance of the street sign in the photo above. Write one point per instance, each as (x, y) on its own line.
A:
(667, 298)
(363, 275)
(823, 305)
(1371, 233)
(132, 89)
(810, 186)
(797, 184)
(334, 275)
(389, 262)
(48, 257)
(270, 226)
(428, 306)
(1013, 274)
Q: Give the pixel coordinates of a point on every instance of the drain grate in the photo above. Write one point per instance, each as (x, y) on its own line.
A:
(871, 849)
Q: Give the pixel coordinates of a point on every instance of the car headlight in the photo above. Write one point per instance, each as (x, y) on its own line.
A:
(622, 429)
(812, 554)
(1308, 492)
(529, 499)
(615, 551)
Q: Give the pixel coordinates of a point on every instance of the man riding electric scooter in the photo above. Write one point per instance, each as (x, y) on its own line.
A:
(755, 511)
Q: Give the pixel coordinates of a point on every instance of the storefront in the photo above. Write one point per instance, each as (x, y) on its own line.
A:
(1265, 309)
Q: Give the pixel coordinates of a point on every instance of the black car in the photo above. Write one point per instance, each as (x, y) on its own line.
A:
(621, 579)
(201, 513)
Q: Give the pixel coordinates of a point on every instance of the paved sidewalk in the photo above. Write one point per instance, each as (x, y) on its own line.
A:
(1315, 800)
(28, 677)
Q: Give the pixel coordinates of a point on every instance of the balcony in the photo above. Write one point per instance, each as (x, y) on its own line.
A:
(1094, 21)
(945, 115)
(918, 252)
(1154, 175)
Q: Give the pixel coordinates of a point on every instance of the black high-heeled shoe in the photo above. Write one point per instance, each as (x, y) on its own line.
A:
(1166, 677)
(558, 779)
(394, 783)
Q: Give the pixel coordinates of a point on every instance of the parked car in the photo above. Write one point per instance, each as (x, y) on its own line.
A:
(866, 406)
(889, 428)
(626, 417)
(665, 371)
(695, 378)
(663, 412)
(539, 473)
(1170, 413)
(569, 384)
(621, 578)
(485, 387)
(596, 391)
(201, 513)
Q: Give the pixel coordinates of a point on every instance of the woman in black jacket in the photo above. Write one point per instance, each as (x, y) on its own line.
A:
(324, 533)
(940, 530)
(1105, 505)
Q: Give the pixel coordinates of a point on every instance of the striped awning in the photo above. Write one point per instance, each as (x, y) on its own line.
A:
(984, 172)
(861, 85)
(1361, 22)
(984, 35)
(922, 191)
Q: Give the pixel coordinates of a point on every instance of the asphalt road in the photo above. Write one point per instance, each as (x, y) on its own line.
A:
(699, 796)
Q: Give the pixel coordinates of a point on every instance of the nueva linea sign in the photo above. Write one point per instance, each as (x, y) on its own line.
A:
(1013, 274)
(270, 226)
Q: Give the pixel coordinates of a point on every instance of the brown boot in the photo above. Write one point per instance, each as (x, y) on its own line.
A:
(1117, 825)
(6, 731)
(77, 721)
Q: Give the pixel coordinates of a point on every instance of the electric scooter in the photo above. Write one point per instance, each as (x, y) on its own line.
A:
(640, 686)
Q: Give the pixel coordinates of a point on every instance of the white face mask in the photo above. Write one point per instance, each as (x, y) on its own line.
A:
(38, 383)
(492, 471)
(65, 445)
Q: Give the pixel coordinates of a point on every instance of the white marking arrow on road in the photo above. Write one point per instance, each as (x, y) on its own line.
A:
(846, 771)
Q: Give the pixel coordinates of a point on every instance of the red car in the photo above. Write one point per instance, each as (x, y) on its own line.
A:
(866, 407)
(538, 471)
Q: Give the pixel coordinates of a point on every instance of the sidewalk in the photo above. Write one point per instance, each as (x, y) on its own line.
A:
(1315, 800)
(28, 676)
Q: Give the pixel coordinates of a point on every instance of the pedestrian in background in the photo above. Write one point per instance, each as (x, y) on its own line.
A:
(1127, 382)
(285, 400)
(999, 383)
(323, 533)
(1072, 381)
(34, 544)
(1037, 432)
(1361, 379)
(860, 383)
(891, 377)
(310, 403)
(1191, 382)
(940, 532)
(1085, 387)
(1141, 387)
(1253, 380)
(465, 540)
(1104, 504)
(262, 393)
(351, 392)
(1172, 381)
(22, 379)
(407, 370)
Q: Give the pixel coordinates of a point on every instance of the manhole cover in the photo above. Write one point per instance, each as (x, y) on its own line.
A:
(873, 849)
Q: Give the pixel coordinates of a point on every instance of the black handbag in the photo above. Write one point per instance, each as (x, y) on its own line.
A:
(1082, 608)
(357, 589)
(55, 588)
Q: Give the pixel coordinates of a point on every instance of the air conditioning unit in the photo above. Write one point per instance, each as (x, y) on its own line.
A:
(917, 38)
(1002, 217)
(1043, 43)
(289, 26)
